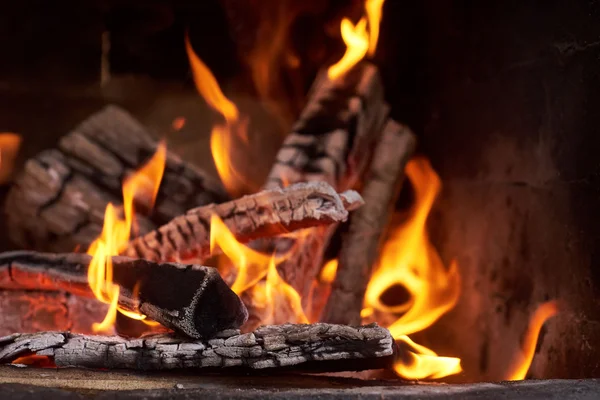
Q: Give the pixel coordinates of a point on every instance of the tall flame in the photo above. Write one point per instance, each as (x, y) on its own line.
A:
(373, 9)
(518, 370)
(356, 39)
(359, 42)
(116, 231)
(408, 259)
(223, 134)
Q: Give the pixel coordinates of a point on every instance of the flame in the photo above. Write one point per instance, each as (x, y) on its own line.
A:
(116, 231)
(408, 259)
(329, 271)
(223, 134)
(373, 10)
(359, 42)
(35, 360)
(251, 265)
(356, 39)
(518, 370)
(9, 147)
(423, 363)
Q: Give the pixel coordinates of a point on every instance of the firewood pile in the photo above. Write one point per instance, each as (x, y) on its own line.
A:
(343, 163)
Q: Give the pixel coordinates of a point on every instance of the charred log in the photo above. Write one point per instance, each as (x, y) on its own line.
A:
(332, 142)
(361, 244)
(318, 347)
(58, 201)
(192, 300)
(267, 213)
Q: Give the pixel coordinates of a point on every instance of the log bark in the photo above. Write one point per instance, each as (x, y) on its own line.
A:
(361, 244)
(317, 347)
(58, 201)
(192, 300)
(267, 213)
(331, 142)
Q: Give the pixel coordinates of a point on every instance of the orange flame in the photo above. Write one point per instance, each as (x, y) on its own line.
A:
(356, 39)
(520, 366)
(329, 271)
(222, 135)
(279, 300)
(9, 147)
(408, 259)
(373, 10)
(35, 360)
(143, 184)
(359, 42)
(423, 363)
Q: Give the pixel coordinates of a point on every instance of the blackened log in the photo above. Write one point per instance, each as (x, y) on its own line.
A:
(190, 299)
(267, 213)
(317, 347)
(332, 142)
(58, 201)
(361, 244)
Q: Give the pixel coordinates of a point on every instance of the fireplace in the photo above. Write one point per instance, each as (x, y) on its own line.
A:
(501, 101)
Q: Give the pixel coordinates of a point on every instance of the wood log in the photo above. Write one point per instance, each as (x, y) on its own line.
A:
(190, 299)
(267, 213)
(361, 244)
(331, 142)
(29, 311)
(317, 347)
(58, 201)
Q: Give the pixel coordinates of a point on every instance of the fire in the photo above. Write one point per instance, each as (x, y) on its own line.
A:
(358, 40)
(408, 259)
(224, 134)
(115, 235)
(373, 9)
(423, 363)
(279, 300)
(329, 271)
(9, 147)
(518, 370)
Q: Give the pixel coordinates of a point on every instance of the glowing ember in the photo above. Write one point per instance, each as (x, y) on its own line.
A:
(223, 134)
(408, 259)
(143, 184)
(35, 360)
(373, 9)
(520, 366)
(9, 147)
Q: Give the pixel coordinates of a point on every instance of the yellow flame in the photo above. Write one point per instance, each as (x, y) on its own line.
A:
(356, 39)
(251, 265)
(329, 271)
(410, 260)
(518, 370)
(373, 9)
(223, 134)
(142, 185)
(9, 148)
(423, 363)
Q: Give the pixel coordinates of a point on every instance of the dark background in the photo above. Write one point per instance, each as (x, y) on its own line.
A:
(503, 95)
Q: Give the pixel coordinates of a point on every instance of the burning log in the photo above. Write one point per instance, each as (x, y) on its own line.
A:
(317, 347)
(58, 202)
(332, 142)
(267, 213)
(190, 299)
(360, 246)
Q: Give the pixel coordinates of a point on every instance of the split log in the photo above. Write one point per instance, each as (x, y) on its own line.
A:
(58, 201)
(267, 213)
(361, 244)
(318, 347)
(190, 299)
(331, 142)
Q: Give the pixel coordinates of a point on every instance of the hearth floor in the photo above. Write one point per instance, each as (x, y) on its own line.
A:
(30, 383)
